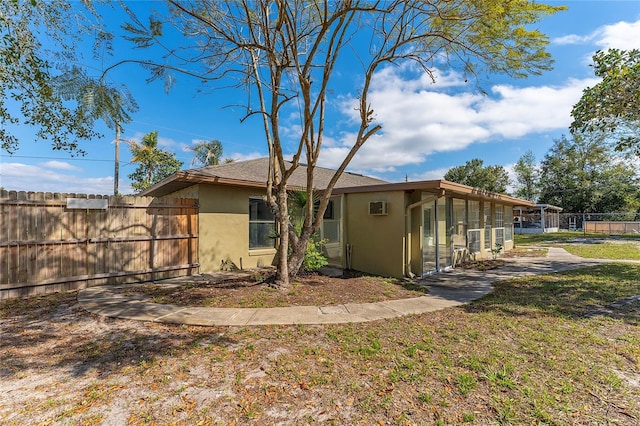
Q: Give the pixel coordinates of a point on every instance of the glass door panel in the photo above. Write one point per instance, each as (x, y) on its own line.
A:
(444, 232)
(428, 238)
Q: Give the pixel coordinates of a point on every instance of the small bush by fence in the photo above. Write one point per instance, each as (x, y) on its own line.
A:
(55, 242)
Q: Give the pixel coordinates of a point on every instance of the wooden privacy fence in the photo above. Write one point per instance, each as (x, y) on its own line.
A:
(55, 242)
(612, 227)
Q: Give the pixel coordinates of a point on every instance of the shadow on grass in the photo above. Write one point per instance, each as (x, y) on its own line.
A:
(52, 332)
(576, 293)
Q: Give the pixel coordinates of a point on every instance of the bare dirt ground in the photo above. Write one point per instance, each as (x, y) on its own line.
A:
(310, 289)
(490, 363)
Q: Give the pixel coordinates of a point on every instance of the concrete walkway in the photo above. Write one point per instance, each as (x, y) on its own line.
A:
(446, 289)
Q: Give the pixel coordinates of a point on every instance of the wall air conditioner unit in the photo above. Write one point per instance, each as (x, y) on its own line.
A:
(378, 208)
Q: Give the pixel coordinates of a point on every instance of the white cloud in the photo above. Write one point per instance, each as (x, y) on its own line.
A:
(572, 39)
(435, 174)
(60, 165)
(244, 157)
(25, 177)
(621, 35)
(418, 119)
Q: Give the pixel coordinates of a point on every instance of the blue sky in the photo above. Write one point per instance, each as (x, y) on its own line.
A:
(427, 128)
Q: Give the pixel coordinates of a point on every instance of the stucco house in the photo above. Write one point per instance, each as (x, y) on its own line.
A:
(389, 229)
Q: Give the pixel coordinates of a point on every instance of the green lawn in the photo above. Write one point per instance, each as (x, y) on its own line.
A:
(627, 251)
(590, 246)
(567, 236)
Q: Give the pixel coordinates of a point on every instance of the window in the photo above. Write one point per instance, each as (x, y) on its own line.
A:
(487, 226)
(459, 223)
(262, 226)
(330, 229)
(508, 220)
(473, 234)
(499, 224)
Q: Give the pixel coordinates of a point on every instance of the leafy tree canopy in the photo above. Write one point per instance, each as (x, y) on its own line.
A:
(582, 175)
(475, 174)
(526, 177)
(154, 164)
(611, 106)
(38, 86)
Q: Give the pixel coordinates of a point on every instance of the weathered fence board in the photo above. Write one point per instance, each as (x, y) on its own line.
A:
(613, 228)
(46, 246)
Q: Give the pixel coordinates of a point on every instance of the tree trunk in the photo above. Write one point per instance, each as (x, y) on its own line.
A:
(292, 248)
(298, 252)
(282, 274)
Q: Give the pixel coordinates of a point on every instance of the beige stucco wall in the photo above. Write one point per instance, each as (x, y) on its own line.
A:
(377, 242)
(224, 227)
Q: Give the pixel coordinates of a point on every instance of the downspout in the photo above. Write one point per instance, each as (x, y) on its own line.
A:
(406, 270)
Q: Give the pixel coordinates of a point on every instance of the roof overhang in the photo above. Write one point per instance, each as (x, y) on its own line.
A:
(438, 186)
(186, 178)
(541, 207)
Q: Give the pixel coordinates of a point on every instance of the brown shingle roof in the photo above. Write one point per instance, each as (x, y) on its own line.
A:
(253, 173)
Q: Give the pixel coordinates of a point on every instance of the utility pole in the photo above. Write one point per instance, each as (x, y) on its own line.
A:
(116, 172)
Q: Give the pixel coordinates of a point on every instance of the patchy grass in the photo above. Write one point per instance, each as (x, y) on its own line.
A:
(528, 353)
(590, 246)
(526, 252)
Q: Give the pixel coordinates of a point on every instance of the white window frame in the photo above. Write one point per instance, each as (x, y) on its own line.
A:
(258, 221)
(499, 224)
(473, 233)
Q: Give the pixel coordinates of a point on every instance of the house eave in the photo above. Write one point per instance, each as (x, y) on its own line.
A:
(437, 186)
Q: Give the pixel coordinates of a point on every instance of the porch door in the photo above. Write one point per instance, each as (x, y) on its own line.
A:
(429, 243)
(445, 246)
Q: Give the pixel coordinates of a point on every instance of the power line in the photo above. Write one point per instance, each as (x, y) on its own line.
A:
(59, 158)
(69, 159)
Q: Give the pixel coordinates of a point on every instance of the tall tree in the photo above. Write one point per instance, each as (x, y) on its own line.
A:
(38, 41)
(206, 153)
(526, 177)
(284, 55)
(474, 173)
(611, 106)
(582, 175)
(154, 164)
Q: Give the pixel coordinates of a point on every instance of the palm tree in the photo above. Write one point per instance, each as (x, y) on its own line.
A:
(206, 153)
(154, 164)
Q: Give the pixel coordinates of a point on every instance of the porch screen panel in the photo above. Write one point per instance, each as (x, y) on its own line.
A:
(508, 223)
(444, 228)
(487, 226)
(473, 234)
(499, 224)
(459, 223)
(262, 224)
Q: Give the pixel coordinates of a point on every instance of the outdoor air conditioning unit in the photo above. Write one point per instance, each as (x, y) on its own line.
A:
(378, 208)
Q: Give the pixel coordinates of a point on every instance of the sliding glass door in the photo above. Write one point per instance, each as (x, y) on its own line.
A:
(429, 246)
